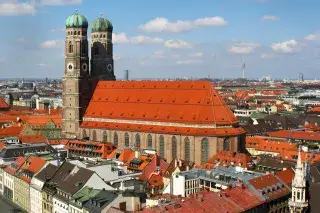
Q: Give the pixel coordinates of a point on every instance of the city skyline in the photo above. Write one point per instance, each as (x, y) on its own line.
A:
(195, 40)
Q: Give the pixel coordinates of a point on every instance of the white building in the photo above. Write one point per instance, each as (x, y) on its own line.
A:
(244, 112)
(36, 186)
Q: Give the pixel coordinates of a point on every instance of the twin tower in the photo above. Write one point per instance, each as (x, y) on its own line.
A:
(79, 78)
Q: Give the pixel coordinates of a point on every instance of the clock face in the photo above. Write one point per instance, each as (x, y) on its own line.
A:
(70, 66)
(85, 67)
(109, 67)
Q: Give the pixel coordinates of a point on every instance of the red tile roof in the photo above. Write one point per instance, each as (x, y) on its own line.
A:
(3, 104)
(301, 135)
(227, 158)
(32, 164)
(237, 199)
(14, 166)
(30, 139)
(193, 102)
(270, 186)
(104, 149)
(286, 176)
(269, 145)
(12, 131)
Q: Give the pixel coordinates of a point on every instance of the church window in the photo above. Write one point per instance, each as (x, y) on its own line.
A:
(83, 48)
(68, 33)
(161, 143)
(137, 141)
(70, 48)
(226, 144)
(94, 135)
(105, 136)
(174, 147)
(204, 150)
(100, 36)
(298, 196)
(126, 140)
(115, 139)
(149, 140)
(187, 149)
(104, 36)
(78, 32)
(96, 50)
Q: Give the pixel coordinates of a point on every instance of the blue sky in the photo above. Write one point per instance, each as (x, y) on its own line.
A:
(169, 38)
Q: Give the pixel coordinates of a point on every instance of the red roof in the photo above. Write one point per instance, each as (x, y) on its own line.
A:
(11, 131)
(104, 149)
(302, 135)
(227, 158)
(3, 104)
(192, 102)
(237, 199)
(32, 164)
(14, 166)
(286, 176)
(270, 186)
(29, 139)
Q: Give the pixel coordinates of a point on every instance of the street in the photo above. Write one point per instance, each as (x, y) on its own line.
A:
(7, 207)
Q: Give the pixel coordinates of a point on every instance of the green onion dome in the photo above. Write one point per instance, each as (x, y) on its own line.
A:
(76, 21)
(101, 25)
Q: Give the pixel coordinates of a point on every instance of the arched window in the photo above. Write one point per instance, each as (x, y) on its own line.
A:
(126, 140)
(186, 149)
(96, 50)
(137, 144)
(161, 143)
(226, 144)
(105, 136)
(204, 150)
(70, 48)
(115, 139)
(94, 135)
(149, 141)
(174, 147)
(84, 134)
(78, 32)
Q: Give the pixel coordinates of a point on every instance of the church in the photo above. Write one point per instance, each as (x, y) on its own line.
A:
(179, 119)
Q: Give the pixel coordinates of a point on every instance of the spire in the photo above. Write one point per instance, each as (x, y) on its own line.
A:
(299, 161)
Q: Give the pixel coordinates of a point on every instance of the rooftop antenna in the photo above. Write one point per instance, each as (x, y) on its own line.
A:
(101, 14)
(243, 67)
(76, 11)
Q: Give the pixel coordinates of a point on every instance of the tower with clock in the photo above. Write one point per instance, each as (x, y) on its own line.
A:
(75, 82)
(102, 50)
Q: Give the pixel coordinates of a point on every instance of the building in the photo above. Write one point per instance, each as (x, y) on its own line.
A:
(22, 178)
(36, 185)
(180, 119)
(299, 199)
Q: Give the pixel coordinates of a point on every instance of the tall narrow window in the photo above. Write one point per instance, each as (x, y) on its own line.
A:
(204, 150)
(187, 149)
(137, 144)
(226, 144)
(149, 141)
(94, 135)
(105, 136)
(174, 147)
(126, 140)
(83, 48)
(70, 48)
(84, 134)
(115, 139)
(161, 143)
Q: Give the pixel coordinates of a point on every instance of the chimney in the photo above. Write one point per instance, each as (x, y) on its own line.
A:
(175, 163)
(180, 163)
(187, 168)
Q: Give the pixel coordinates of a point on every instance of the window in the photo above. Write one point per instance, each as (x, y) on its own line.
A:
(105, 136)
(137, 144)
(149, 141)
(94, 135)
(174, 147)
(204, 150)
(70, 48)
(187, 149)
(161, 142)
(84, 134)
(83, 48)
(126, 140)
(96, 50)
(226, 144)
(115, 139)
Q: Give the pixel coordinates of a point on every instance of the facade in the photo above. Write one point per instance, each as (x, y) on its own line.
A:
(182, 119)
(299, 199)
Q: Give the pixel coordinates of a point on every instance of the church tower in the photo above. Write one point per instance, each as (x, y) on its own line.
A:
(299, 197)
(76, 88)
(102, 50)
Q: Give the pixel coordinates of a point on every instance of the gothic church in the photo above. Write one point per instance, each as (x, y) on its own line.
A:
(179, 119)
